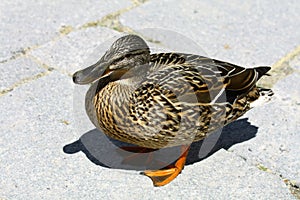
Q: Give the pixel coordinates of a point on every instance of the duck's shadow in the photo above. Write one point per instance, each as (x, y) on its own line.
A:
(106, 152)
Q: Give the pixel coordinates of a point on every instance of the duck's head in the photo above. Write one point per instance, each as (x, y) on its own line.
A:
(124, 54)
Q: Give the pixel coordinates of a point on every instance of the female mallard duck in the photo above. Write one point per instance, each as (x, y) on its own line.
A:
(165, 99)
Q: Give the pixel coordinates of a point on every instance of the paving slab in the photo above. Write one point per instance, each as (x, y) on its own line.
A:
(29, 23)
(275, 147)
(28, 130)
(246, 33)
(16, 70)
(77, 50)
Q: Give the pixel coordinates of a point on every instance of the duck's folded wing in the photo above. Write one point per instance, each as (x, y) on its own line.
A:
(208, 78)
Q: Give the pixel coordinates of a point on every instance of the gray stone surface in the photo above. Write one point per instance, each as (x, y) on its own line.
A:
(275, 147)
(44, 141)
(76, 51)
(17, 70)
(29, 23)
(246, 33)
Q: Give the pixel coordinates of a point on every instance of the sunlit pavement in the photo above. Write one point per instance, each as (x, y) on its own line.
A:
(44, 42)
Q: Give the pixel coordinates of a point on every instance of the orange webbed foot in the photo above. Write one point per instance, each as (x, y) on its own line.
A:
(164, 176)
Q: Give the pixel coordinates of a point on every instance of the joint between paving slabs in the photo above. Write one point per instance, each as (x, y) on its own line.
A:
(18, 54)
(34, 77)
(47, 67)
(281, 69)
(23, 81)
(109, 21)
(112, 20)
(24, 51)
(293, 187)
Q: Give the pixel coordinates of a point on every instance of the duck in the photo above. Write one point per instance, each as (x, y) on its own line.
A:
(168, 99)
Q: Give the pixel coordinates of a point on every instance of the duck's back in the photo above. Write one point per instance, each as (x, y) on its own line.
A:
(209, 78)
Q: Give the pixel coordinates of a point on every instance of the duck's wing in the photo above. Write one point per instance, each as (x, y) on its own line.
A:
(210, 78)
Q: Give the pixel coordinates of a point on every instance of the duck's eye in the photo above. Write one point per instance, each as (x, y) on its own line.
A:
(117, 60)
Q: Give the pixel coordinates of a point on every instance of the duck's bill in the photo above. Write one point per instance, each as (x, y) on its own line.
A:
(89, 74)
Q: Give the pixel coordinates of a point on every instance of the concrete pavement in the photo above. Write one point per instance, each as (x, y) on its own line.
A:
(44, 144)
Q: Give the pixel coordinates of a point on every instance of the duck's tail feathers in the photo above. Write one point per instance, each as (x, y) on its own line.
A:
(262, 70)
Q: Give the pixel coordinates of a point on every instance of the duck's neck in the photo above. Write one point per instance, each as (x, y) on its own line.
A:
(111, 103)
(116, 94)
(121, 91)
